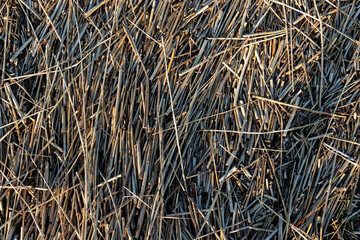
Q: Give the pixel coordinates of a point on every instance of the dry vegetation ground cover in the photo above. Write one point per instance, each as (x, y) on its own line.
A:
(160, 119)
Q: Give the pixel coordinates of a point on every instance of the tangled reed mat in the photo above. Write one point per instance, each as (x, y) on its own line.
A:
(159, 119)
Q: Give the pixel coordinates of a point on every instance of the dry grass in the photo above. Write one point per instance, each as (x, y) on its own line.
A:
(159, 119)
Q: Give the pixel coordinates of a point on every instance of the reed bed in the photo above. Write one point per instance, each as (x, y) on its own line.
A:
(159, 119)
